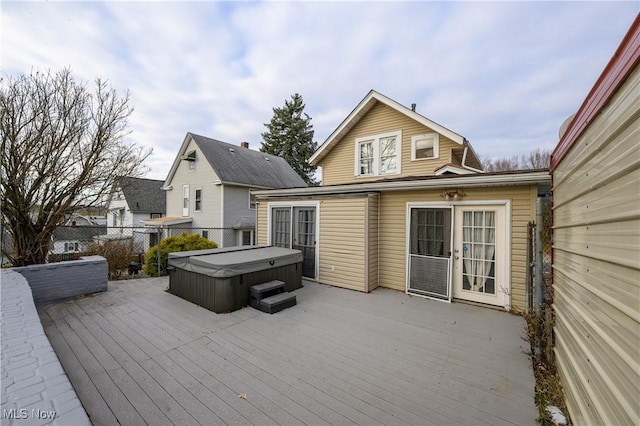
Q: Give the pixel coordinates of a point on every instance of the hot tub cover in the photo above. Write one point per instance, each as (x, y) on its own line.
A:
(232, 261)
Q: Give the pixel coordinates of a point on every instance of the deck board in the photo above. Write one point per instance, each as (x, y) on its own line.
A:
(137, 354)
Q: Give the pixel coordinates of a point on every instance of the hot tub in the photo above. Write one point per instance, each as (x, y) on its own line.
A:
(219, 279)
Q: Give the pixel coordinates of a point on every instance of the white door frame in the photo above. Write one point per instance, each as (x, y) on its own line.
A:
(501, 287)
(504, 286)
(280, 204)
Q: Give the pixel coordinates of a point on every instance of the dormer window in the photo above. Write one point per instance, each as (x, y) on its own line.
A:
(378, 154)
(425, 147)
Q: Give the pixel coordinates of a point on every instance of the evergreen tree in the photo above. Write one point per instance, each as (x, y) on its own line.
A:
(290, 136)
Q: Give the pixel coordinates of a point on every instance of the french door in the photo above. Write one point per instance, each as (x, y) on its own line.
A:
(429, 268)
(480, 254)
(295, 227)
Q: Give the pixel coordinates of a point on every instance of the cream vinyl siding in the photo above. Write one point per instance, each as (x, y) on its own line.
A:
(597, 265)
(392, 247)
(338, 166)
(342, 242)
(261, 223)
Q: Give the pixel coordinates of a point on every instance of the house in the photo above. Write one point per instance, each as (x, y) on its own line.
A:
(208, 189)
(405, 205)
(596, 254)
(75, 239)
(132, 201)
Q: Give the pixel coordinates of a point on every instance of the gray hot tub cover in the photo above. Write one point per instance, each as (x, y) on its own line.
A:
(232, 261)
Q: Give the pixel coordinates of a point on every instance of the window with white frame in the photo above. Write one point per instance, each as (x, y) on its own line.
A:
(198, 201)
(378, 155)
(425, 147)
(71, 247)
(252, 200)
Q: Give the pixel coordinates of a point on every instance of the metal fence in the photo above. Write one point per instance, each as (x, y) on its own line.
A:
(539, 295)
(73, 242)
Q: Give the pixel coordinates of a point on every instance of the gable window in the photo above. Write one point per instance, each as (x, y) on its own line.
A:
(198, 202)
(425, 147)
(378, 155)
(190, 157)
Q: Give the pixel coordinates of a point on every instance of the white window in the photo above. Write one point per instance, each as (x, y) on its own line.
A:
(425, 147)
(252, 200)
(185, 200)
(71, 247)
(378, 155)
(198, 201)
(190, 157)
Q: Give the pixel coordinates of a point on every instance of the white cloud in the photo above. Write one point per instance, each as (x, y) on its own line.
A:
(503, 74)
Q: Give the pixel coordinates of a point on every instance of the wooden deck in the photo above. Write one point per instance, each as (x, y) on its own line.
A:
(139, 355)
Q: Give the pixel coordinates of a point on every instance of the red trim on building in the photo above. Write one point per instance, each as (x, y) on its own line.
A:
(623, 62)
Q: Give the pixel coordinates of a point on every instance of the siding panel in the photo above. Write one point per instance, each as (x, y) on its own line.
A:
(597, 265)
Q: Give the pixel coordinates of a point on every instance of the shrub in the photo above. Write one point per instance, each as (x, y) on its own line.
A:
(118, 254)
(184, 242)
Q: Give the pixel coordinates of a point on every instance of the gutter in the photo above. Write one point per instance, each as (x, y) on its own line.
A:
(466, 181)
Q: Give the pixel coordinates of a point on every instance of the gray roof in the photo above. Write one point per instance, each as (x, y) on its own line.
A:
(234, 164)
(144, 195)
(78, 233)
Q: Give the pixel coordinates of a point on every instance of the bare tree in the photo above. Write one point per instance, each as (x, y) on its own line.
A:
(62, 148)
(534, 160)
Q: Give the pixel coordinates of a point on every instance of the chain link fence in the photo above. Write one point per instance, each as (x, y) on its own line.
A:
(125, 247)
(539, 295)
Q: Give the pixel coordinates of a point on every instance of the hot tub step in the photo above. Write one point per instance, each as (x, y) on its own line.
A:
(276, 303)
(260, 291)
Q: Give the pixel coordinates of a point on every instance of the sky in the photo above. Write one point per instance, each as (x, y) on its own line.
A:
(505, 75)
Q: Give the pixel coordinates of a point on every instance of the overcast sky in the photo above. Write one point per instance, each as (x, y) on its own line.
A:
(503, 74)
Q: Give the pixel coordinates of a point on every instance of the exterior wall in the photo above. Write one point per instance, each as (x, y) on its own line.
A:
(236, 205)
(349, 254)
(32, 377)
(342, 239)
(53, 281)
(597, 264)
(342, 242)
(338, 166)
(392, 243)
(203, 177)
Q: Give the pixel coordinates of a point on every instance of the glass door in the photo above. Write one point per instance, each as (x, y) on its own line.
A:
(430, 252)
(304, 238)
(480, 254)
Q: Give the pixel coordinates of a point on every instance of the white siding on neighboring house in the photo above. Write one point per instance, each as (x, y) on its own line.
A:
(204, 178)
(596, 266)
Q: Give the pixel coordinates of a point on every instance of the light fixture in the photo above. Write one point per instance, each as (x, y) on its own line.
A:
(453, 195)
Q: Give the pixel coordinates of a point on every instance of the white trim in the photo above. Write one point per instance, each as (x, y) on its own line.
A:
(188, 208)
(427, 205)
(375, 142)
(222, 207)
(505, 287)
(452, 169)
(436, 145)
(475, 180)
(279, 204)
(254, 200)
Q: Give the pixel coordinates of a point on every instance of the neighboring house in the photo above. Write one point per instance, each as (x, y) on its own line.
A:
(596, 252)
(133, 201)
(208, 188)
(404, 205)
(72, 239)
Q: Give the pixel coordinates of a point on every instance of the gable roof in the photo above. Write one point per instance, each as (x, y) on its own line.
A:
(241, 166)
(361, 110)
(144, 195)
